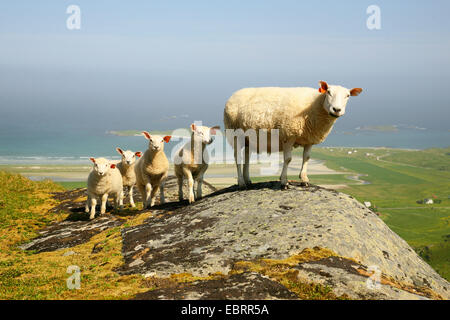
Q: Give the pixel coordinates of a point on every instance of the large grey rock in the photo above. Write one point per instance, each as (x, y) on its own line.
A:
(264, 222)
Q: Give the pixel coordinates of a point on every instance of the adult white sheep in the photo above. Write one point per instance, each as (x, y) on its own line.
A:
(303, 116)
(104, 180)
(126, 168)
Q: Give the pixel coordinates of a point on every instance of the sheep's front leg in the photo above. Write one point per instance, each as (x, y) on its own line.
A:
(303, 173)
(287, 157)
(200, 183)
(130, 193)
(93, 204)
(162, 198)
(188, 175)
(148, 192)
(103, 206)
(247, 180)
(86, 209)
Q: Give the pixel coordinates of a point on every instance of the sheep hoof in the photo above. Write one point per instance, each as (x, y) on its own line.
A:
(284, 186)
(304, 184)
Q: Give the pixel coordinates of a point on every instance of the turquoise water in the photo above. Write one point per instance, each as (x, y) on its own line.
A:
(75, 147)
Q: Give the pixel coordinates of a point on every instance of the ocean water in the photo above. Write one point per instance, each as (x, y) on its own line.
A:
(75, 147)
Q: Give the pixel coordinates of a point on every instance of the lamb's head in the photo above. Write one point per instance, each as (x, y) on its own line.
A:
(102, 166)
(128, 157)
(156, 143)
(203, 134)
(336, 98)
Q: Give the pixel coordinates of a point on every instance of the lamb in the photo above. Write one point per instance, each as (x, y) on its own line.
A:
(152, 169)
(192, 160)
(303, 116)
(126, 168)
(104, 180)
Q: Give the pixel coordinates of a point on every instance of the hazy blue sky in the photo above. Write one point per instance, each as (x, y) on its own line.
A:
(163, 64)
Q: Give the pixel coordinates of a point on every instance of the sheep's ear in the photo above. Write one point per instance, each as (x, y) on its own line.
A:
(193, 127)
(138, 154)
(167, 138)
(113, 166)
(323, 86)
(146, 134)
(355, 91)
(119, 151)
(92, 159)
(213, 130)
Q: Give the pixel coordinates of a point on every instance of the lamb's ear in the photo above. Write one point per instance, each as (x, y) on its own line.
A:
(113, 166)
(167, 138)
(138, 154)
(193, 127)
(92, 159)
(213, 130)
(146, 134)
(120, 151)
(355, 91)
(323, 86)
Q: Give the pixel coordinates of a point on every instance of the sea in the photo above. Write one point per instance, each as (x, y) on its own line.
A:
(72, 147)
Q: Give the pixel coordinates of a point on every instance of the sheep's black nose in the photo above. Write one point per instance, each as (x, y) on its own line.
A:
(336, 109)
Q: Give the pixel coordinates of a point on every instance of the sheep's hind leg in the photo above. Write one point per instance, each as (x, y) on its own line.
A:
(247, 180)
(304, 181)
(180, 188)
(287, 155)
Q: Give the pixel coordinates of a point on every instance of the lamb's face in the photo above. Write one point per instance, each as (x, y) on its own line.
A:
(128, 157)
(102, 166)
(156, 143)
(336, 98)
(203, 134)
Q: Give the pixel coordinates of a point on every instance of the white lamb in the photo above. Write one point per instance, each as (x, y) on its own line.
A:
(104, 180)
(303, 116)
(126, 168)
(192, 160)
(152, 169)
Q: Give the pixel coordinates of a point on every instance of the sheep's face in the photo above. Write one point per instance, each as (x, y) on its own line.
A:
(156, 143)
(102, 166)
(128, 157)
(203, 134)
(336, 98)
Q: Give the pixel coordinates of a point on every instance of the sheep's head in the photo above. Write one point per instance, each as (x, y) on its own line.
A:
(156, 143)
(336, 98)
(203, 134)
(128, 157)
(102, 166)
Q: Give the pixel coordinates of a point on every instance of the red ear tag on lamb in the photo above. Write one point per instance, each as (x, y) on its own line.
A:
(113, 166)
(167, 138)
(138, 154)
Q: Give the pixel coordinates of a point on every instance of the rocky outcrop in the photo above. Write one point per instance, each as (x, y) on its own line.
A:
(260, 243)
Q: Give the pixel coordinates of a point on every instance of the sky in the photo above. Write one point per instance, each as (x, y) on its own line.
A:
(163, 64)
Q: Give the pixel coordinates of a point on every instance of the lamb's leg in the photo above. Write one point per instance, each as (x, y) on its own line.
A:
(188, 175)
(306, 156)
(155, 189)
(121, 195)
(141, 189)
(86, 209)
(241, 181)
(287, 155)
(200, 184)
(180, 188)
(148, 191)
(162, 198)
(130, 193)
(103, 206)
(93, 204)
(247, 180)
